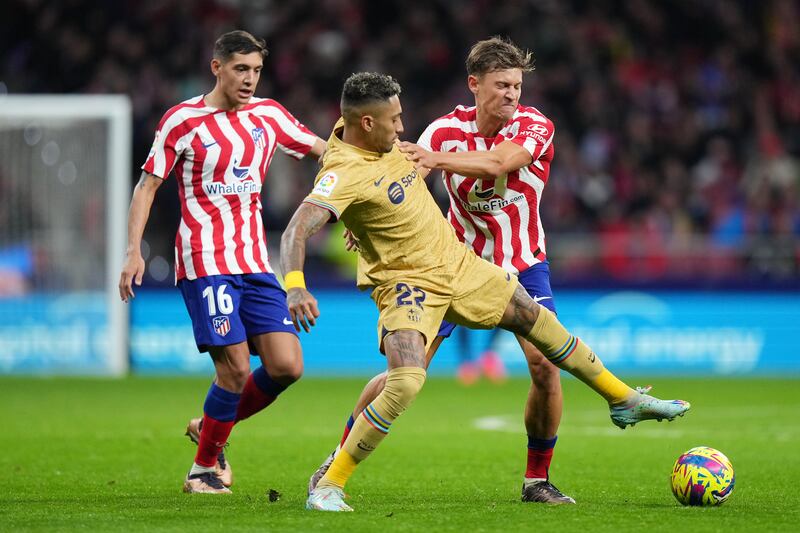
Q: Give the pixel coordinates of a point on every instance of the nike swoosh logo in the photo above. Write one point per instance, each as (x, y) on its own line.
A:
(288, 322)
(209, 145)
(538, 299)
(378, 182)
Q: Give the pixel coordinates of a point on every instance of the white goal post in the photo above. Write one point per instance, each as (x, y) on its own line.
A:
(57, 153)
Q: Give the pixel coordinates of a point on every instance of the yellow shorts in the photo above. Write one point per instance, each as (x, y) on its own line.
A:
(474, 294)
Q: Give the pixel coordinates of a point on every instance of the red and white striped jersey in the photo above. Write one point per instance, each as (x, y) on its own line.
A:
(499, 219)
(220, 159)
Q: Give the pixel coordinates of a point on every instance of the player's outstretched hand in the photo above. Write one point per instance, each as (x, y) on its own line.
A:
(132, 272)
(302, 308)
(351, 244)
(422, 158)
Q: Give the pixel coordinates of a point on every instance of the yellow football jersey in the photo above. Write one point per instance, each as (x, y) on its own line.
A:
(386, 204)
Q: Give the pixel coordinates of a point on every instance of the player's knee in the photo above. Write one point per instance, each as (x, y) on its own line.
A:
(376, 385)
(536, 360)
(402, 386)
(287, 371)
(544, 374)
(371, 391)
(409, 386)
(233, 377)
(379, 381)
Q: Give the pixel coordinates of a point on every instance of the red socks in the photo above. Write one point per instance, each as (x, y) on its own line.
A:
(540, 453)
(252, 401)
(212, 439)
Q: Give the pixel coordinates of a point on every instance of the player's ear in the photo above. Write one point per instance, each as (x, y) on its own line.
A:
(367, 122)
(472, 83)
(216, 65)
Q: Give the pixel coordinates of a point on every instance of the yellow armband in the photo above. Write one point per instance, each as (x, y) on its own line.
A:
(294, 279)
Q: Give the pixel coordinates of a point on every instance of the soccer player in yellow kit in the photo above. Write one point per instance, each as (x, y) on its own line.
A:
(418, 273)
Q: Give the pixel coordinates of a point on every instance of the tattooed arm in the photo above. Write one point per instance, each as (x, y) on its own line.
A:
(307, 220)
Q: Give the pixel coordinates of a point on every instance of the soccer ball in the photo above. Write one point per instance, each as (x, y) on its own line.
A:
(702, 476)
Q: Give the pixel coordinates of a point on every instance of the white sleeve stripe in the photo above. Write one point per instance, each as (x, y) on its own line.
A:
(548, 142)
(289, 151)
(160, 155)
(530, 145)
(453, 122)
(287, 125)
(536, 117)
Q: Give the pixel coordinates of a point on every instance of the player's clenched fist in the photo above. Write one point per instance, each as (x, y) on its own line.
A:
(302, 308)
(132, 272)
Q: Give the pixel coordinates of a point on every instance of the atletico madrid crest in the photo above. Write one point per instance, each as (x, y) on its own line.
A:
(221, 325)
(258, 138)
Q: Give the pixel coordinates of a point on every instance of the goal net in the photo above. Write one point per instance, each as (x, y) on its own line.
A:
(64, 189)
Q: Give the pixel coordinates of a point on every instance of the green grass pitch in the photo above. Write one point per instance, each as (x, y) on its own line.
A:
(102, 455)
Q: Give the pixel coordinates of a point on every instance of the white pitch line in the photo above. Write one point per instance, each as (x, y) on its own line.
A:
(512, 424)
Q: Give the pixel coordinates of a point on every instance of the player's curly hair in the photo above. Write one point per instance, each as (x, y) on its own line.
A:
(238, 42)
(495, 54)
(363, 88)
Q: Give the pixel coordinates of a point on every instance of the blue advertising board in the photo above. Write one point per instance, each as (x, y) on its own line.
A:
(342, 343)
(686, 332)
(635, 332)
(64, 333)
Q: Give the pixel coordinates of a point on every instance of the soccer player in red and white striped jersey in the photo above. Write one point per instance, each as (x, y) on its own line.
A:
(498, 218)
(220, 159)
(220, 146)
(495, 157)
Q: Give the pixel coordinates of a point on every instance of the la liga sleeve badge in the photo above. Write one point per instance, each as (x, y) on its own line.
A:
(326, 184)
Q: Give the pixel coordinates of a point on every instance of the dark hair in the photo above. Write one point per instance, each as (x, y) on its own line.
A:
(364, 88)
(496, 54)
(238, 42)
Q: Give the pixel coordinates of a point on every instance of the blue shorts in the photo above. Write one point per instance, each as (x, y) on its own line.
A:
(228, 309)
(535, 280)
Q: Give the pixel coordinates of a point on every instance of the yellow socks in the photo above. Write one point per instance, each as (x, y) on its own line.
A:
(610, 387)
(340, 470)
(569, 353)
(372, 425)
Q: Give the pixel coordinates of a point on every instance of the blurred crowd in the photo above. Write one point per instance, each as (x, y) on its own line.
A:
(677, 123)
